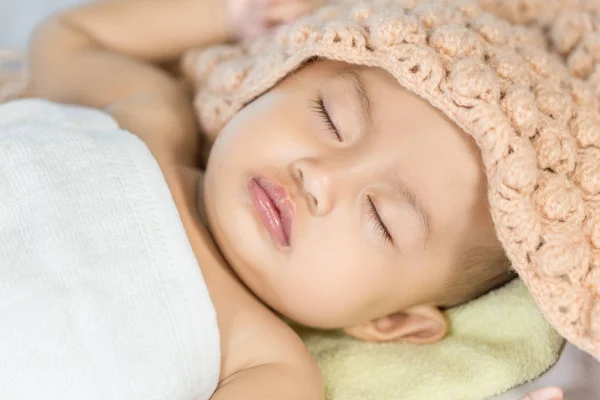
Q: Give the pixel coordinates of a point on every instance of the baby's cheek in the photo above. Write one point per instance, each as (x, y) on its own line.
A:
(328, 291)
(319, 307)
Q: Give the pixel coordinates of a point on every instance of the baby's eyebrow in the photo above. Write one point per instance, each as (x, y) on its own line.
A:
(361, 90)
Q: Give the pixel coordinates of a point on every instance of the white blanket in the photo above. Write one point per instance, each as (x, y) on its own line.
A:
(100, 294)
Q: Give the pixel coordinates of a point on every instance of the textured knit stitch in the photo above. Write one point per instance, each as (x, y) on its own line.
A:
(520, 76)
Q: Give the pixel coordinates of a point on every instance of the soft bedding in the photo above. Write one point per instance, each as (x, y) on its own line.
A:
(101, 296)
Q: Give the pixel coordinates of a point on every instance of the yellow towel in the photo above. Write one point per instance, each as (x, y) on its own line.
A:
(496, 342)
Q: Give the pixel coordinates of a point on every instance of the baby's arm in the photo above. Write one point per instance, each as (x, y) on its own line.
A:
(98, 55)
(152, 30)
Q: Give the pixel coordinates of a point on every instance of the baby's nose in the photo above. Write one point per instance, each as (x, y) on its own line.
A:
(315, 181)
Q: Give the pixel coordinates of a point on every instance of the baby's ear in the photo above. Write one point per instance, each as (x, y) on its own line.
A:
(419, 325)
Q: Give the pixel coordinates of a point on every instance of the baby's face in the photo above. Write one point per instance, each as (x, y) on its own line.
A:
(339, 197)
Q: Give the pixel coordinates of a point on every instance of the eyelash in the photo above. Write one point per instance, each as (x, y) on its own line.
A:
(379, 225)
(320, 109)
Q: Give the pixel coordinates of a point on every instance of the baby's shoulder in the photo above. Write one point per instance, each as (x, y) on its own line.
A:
(251, 334)
(258, 348)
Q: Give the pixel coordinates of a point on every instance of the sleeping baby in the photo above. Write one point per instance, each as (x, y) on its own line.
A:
(371, 164)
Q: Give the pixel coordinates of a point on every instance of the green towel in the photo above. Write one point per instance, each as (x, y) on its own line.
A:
(496, 342)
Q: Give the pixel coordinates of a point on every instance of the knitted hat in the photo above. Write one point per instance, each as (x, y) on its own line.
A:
(521, 77)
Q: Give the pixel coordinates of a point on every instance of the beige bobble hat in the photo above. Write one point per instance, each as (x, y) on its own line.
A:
(522, 77)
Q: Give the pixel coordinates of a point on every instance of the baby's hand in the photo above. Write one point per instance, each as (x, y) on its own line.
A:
(549, 393)
(249, 18)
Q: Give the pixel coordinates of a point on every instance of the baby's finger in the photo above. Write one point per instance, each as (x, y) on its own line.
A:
(549, 393)
(286, 11)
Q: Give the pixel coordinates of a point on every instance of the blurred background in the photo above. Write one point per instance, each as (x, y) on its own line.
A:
(18, 19)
